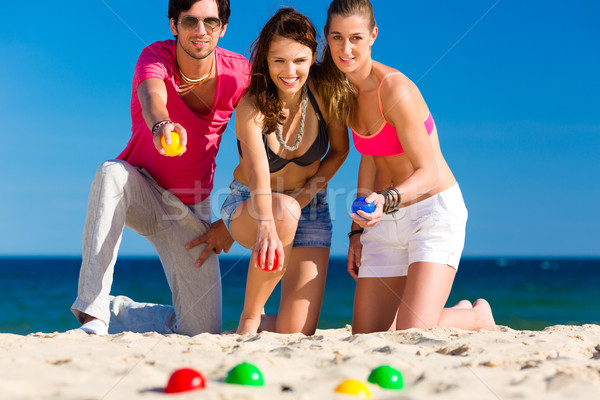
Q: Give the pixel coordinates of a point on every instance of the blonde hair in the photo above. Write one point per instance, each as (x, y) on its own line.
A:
(336, 91)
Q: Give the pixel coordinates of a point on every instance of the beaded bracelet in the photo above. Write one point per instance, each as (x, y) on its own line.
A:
(392, 199)
(159, 124)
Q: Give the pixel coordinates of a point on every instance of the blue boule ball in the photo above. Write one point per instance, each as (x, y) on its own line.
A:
(361, 204)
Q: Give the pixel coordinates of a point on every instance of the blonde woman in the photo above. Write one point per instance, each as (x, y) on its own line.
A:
(405, 254)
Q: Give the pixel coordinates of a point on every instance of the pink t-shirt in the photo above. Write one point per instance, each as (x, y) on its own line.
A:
(190, 176)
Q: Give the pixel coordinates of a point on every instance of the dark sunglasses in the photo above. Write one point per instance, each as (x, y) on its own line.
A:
(189, 22)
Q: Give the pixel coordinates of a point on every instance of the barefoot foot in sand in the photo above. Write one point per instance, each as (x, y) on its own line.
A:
(484, 313)
(463, 305)
(248, 325)
(268, 322)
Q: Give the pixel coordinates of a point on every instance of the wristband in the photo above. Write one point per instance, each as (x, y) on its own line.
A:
(159, 124)
(354, 232)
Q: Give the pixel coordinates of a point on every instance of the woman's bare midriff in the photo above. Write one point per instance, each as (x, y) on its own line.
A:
(288, 179)
(391, 171)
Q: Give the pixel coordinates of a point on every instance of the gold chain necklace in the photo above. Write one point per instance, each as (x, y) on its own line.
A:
(199, 80)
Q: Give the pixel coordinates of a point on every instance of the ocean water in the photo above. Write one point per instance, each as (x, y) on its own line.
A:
(525, 293)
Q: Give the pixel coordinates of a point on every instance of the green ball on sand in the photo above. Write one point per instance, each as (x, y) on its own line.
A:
(387, 377)
(245, 374)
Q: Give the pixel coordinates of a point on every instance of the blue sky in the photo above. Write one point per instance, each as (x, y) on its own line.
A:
(513, 87)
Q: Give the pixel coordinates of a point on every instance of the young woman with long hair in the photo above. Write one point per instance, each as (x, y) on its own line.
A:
(405, 254)
(290, 145)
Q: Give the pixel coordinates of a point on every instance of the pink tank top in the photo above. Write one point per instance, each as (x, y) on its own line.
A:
(385, 141)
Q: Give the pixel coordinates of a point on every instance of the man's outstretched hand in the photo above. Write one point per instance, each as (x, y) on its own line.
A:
(217, 239)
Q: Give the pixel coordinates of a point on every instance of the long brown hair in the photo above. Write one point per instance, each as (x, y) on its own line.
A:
(340, 92)
(287, 23)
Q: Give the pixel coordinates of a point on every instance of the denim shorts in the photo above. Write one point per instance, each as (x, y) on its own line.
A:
(314, 227)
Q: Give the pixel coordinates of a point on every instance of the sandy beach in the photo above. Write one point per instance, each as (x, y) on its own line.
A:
(559, 362)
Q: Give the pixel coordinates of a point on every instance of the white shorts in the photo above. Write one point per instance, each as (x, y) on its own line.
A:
(432, 230)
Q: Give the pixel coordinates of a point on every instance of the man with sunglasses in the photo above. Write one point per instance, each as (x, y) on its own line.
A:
(191, 87)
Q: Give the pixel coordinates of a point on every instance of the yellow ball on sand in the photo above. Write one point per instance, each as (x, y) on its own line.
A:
(354, 387)
(175, 148)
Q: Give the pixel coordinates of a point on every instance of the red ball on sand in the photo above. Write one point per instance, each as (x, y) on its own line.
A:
(185, 379)
(265, 267)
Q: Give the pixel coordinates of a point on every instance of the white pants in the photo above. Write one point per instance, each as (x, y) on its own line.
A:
(122, 195)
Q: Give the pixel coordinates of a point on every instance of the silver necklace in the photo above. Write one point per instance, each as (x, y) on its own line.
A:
(278, 134)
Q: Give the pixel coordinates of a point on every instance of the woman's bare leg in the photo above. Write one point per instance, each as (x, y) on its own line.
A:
(302, 289)
(376, 304)
(260, 284)
(427, 289)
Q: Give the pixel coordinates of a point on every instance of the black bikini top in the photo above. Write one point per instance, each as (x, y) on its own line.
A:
(315, 152)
